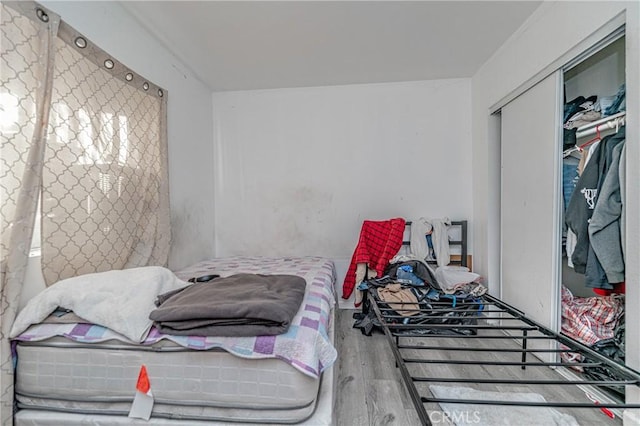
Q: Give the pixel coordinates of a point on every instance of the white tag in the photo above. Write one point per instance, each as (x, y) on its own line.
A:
(142, 406)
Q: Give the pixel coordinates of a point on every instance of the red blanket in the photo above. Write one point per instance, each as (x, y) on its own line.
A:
(379, 242)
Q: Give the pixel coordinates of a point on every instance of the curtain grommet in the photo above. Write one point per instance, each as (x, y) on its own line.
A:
(80, 42)
(42, 15)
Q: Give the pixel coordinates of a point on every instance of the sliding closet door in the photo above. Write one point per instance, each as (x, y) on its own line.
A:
(530, 201)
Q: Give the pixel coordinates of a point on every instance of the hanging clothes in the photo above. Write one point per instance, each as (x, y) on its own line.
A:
(439, 231)
(571, 238)
(584, 197)
(604, 226)
(595, 275)
(580, 209)
(570, 177)
(379, 242)
(622, 176)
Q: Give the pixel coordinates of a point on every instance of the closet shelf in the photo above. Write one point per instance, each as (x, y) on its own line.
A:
(609, 122)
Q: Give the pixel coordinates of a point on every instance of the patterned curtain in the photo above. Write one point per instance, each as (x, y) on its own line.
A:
(26, 70)
(105, 191)
(83, 148)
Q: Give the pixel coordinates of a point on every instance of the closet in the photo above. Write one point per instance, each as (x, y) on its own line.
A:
(592, 193)
(546, 129)
(525, 134)
(594, 108)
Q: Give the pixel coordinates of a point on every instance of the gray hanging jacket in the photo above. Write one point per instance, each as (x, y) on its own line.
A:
(585, 196)
(604, 226)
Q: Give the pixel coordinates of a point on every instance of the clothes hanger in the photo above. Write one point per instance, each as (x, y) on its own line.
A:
(584, 145)
(589, 142)
(618, 122)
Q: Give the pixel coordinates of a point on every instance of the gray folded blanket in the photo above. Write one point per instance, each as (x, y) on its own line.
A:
(238, 305)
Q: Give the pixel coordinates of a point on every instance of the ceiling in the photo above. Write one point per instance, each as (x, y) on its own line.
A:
(241, 45)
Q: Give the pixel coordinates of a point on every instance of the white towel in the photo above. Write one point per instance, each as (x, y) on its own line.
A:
(450, 276)
(120, 299)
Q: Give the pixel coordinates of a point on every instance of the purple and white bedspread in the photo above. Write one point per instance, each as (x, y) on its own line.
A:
(306, 345)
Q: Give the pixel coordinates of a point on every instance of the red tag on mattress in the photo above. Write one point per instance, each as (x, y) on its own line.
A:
(143, 384)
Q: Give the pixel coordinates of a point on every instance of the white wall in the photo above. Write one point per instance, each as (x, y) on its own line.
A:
(599, 75)
(190, 126)
(298, 170)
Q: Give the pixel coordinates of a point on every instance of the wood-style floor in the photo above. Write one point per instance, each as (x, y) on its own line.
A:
(370, 390)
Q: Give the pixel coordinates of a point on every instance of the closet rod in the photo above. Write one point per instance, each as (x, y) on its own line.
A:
(609, 122)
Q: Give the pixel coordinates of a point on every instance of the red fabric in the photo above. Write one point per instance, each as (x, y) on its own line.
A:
(618, 288)
(379, 242)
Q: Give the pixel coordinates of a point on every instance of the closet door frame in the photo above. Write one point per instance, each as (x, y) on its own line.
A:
(632, 203)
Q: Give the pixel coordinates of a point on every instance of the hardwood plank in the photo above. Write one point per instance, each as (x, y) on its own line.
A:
(384, 403)
(351, 408)
(379, 362)
(371, 392)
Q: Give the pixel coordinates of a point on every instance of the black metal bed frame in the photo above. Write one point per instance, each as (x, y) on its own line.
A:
(504, 321)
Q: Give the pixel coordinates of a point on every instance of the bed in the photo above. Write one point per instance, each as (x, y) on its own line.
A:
(474, 359)
(75, 373)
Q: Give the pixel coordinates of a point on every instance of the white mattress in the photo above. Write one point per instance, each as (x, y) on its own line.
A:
(56, 409)
(67, 376)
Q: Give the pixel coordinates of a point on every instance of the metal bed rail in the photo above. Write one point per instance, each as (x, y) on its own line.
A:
(503, 320)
